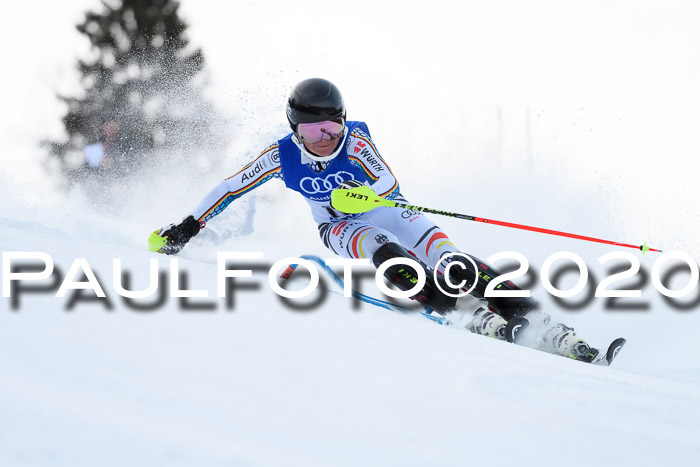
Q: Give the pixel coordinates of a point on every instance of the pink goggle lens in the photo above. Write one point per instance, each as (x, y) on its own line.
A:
(316, 132)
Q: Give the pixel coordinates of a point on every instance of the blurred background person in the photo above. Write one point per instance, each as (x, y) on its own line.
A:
(116, 153)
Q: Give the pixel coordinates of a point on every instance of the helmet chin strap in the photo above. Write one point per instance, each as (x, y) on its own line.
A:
(316, 158)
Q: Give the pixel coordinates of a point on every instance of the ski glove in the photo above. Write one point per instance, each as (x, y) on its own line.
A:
(171, 239)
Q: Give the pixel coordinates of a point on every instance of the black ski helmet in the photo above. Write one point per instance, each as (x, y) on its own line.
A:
(314, 100)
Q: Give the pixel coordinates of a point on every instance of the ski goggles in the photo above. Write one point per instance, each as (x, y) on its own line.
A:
(316, 132)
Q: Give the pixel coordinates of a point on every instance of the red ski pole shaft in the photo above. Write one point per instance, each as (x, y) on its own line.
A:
(643, 248)
(363, 199)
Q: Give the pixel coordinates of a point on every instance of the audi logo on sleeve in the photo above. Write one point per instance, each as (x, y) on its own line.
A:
(317, 185)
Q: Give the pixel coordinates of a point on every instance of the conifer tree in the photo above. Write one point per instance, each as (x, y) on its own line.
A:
(144, 73)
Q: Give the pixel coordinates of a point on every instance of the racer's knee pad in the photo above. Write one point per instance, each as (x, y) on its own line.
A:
(405, 277)
(506, 307)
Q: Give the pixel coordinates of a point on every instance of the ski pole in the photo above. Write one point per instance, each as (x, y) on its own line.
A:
(364, 199)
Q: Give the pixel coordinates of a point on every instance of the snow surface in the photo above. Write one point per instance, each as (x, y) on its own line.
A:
(266, 385)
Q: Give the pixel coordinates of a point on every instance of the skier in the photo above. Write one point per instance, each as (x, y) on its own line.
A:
(325, 152)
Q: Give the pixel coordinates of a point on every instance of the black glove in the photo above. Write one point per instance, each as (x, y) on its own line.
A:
(177, 236)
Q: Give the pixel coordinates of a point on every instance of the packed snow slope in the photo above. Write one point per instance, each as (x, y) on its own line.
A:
(97, 382)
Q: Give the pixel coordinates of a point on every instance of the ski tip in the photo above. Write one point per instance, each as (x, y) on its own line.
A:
(514, 327)
(614, 349)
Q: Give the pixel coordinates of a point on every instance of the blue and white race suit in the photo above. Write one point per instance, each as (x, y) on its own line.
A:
(348, 235)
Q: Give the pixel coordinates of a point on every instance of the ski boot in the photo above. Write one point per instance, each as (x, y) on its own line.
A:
(562, 339)
(479, 321)
(488, 323)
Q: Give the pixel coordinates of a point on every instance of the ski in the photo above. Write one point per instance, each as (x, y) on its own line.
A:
(426, 313)
(614, 348)
(515, 325)
(518, 324)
